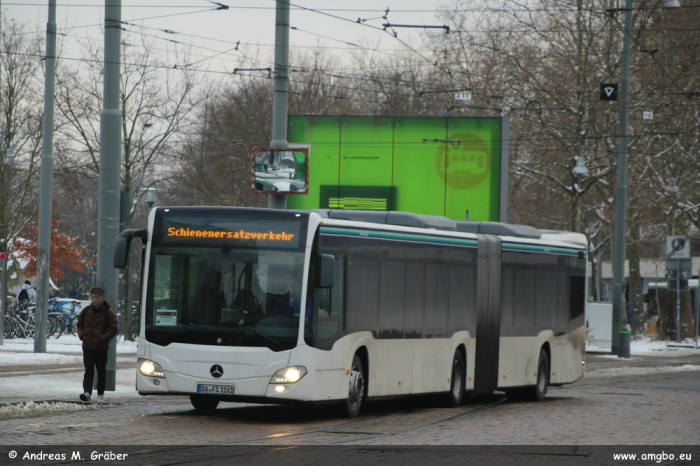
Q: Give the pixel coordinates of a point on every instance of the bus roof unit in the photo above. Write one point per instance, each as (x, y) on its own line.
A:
(498, 228)
(435, 222)
(391, 217)
(566, 236)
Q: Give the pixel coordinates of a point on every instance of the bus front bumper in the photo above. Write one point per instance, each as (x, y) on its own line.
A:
(316, 386)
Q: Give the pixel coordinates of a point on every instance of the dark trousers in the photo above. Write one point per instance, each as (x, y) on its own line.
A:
(92, 360)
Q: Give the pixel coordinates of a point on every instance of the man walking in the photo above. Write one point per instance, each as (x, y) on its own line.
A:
(97, 324)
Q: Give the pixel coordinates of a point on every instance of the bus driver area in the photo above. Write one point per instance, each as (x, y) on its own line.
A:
(394, 304)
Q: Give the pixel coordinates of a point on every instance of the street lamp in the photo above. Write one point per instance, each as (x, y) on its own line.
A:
(7, 153)
(151, 196)
(580, 169)
(672, 187)
(621, 189)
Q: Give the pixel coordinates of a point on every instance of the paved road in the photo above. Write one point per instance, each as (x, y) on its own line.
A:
(644, 405)
(605, 408)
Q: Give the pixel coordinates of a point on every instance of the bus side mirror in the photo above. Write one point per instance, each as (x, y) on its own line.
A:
(326, 271)
(121, 247)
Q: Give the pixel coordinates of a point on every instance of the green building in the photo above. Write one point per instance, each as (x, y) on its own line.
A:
(456, 167)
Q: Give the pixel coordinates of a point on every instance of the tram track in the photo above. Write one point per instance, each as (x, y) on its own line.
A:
(468, 413)
(343, 428)
(369, 420)
(248, 450)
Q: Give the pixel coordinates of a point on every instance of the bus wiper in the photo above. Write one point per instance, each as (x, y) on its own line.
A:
(270, 339)
(232, 323)
(164, 339)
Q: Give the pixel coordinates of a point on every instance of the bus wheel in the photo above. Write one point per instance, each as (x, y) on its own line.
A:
(457, 381)
(356, 391)
(204, 402)
(539, 391)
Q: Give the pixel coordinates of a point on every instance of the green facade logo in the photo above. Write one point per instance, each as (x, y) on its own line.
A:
(464, 163)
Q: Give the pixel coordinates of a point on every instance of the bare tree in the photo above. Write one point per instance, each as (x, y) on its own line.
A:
(214, 165)
(21, 130)
(318, 86)
(157, 104)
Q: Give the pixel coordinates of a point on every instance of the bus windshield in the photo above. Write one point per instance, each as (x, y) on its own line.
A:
(225, 281)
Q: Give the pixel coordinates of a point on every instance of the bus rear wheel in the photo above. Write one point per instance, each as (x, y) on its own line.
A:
(457, 381)
(356, 389)
(204, 402)
(539, 391)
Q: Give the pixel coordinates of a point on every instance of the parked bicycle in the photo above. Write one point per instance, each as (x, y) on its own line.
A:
(9, 327)
(70, 319)
(22, 320)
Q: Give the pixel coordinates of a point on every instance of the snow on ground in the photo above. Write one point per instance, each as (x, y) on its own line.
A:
(637, 370)
(60, 387)
(646, 346)
(653, 352)
(65, 344)
(22, 358)
(31, 408)
(65, 350)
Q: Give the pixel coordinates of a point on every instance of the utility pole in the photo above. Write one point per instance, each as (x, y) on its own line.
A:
(280, 96)
(3, 254)
(619, 245)
(43, 259)
(110, 171)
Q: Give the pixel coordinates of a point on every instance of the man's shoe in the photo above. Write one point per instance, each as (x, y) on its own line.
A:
(85, 396)
(100, 397)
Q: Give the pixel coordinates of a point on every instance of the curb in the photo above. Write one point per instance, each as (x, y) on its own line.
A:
(642, 368)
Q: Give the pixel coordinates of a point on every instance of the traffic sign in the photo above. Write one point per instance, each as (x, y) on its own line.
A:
(608, 91)
(677, 247)
(463, 95)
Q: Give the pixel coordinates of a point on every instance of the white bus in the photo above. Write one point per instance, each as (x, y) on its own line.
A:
(394, 304)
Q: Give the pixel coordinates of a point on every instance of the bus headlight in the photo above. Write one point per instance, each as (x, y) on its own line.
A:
(150, 368)
(291, 374)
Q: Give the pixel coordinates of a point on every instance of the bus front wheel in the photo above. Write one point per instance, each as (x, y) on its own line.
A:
(204, 402)
(356, 389)
(457, 381)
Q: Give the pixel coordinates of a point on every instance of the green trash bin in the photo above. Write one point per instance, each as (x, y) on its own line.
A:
(624, 342)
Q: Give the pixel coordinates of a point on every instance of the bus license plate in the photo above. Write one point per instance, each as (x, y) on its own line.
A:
(216, 389)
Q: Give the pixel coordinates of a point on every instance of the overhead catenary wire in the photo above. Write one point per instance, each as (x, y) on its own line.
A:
(358, 77)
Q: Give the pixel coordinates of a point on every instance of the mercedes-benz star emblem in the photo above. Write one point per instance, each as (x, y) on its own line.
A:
(216, 371)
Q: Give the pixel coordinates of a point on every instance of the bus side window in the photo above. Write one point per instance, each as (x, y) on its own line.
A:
(324, 301)
(327, 316)
(337, 293)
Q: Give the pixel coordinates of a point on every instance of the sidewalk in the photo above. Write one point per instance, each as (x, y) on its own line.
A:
(646, 356)
(29, 378)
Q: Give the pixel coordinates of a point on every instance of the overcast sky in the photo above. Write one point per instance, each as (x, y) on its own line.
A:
(215, 33)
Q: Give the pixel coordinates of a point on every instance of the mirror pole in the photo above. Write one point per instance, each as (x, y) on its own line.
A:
(280, 96)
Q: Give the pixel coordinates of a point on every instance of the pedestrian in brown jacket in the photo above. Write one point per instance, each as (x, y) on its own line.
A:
(97, 324)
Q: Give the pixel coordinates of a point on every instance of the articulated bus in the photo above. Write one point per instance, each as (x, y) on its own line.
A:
(393, 304)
